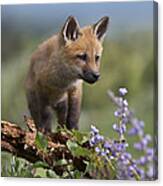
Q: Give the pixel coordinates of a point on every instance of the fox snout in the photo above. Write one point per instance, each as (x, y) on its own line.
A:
(90, 76)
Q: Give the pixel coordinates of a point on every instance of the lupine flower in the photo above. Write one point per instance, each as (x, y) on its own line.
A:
(94, 129)
(125, 103)
(107, 145)
(117, 113)
(122, 91)
(150, 152)
(142, 160)
(150, 172)
(133, 131)
(127, 167)
(115, 127)
(136, 129)
(97, 149)
(103, 153)
(99, 138)
(138, 146)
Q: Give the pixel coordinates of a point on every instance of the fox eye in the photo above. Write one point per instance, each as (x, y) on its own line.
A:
(83, 57)
(97, 57)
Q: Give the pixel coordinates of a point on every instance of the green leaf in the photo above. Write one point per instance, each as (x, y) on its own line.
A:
(41, 142)
(77, 174)
(51, 174)
(17, 164)
(61, 162)
(72, 145)
(77, 150)
(80, 137)
(88, 165)
(40, 164)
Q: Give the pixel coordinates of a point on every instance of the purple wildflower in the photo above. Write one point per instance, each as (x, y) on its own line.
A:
(138, 146)
(150, 152)
(150, 172)
(115, 127)
(141, 124)
(103, 153)
(99, 138)
(127, 155)
(122, 129)
(133, 131)
(142, 160)
(116, 150)
(117, 113)
(107, 145)
(97, 149)
(94, 129)
(122, 91)
(125, 103)
(107, 151)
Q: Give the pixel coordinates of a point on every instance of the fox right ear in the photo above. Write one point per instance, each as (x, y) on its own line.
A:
(70, 30)
(100, 27)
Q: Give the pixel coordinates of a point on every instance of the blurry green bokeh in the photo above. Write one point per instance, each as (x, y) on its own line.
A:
(124, 64)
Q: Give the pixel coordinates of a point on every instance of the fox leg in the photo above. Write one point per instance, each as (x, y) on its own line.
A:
(45, 119)
(61, 110)
(40, 111)
(74, 103)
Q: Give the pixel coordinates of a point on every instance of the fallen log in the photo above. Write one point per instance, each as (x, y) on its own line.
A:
(22, 143)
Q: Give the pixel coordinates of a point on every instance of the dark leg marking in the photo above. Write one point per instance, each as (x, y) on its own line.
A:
(73, 113)
(61, 111)
(39, 110)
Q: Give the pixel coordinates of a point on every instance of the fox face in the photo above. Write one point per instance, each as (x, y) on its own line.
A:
(82, 48)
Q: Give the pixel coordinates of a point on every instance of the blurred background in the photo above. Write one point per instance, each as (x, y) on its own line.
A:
(127, 61)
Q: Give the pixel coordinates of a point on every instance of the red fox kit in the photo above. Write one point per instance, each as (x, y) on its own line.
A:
(57, 70)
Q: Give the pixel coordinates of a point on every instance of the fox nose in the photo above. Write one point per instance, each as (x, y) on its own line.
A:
(96, 75)
(90, 77)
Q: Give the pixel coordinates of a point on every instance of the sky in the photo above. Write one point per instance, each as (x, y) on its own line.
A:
(124, 16)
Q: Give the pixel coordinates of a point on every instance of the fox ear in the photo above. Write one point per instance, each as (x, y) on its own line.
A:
(100, 27)
(70, 30)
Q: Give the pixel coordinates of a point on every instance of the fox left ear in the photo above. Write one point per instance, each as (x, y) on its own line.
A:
(70, 30)
(100, 27)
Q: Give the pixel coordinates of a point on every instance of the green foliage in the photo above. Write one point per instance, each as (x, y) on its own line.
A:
(18, 168)
(77, 150)
(61, 162)
(40, 164)
(51, 174)
(80, 137)
(41, 141)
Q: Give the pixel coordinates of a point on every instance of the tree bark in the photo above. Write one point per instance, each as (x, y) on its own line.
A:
(21, 142)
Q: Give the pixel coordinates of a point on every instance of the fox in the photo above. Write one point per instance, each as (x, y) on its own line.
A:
(57, 70)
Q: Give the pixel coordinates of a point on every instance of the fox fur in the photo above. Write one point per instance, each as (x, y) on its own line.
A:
(57, 70)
